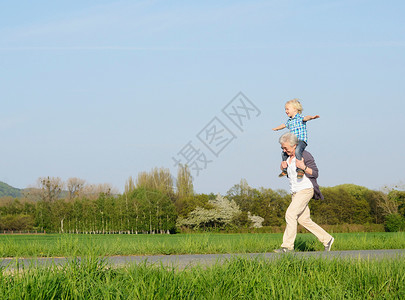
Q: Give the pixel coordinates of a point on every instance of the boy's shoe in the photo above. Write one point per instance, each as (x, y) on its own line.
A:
(329, 245)
(300, 173)
(283, 173)
(283, 250)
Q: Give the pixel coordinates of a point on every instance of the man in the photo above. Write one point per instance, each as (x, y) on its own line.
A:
(302, 190)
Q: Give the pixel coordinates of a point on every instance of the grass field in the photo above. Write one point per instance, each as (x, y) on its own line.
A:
(285, 278)
(105, 245)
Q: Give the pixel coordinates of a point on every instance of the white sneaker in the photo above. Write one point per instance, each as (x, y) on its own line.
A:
(283, 250)
(329, 244)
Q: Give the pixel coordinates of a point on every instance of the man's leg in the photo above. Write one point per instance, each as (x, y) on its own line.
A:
(305, 220)
(298, 204)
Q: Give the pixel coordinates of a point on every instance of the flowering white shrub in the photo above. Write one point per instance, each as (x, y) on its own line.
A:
(223, 213)
(257, 221)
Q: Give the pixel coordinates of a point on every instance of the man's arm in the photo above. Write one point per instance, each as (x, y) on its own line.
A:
(308, 118)
(308, 162)
(282, 126)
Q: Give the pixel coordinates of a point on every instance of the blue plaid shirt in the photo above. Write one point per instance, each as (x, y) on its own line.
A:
(298, 126)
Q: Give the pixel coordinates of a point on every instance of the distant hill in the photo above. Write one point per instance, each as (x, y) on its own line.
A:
(7, 190)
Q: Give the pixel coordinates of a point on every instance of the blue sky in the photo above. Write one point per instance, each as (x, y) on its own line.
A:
(102, 90)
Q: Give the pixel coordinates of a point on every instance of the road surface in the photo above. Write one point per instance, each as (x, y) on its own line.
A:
(190, 260)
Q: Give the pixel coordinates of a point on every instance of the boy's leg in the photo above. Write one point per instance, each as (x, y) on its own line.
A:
(299, 149)
(298, 154)
(284, 157)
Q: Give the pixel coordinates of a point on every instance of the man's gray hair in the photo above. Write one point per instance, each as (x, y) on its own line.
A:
(290, 138)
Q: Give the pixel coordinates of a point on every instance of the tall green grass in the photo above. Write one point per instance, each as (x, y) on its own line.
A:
(101, 245)
(288, 277)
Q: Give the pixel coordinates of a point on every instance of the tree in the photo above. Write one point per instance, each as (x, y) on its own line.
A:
(271, 205)
(75, 187)
(185, 205)
(346, 203)
(156, 180)
(92, 191)
(394, 222)
(241, 193)
(399, 198)
(392, 201)
(153, 211)
(265, 203)
(184, 182)
(43, 215)
(129, 185)
(60, 212)
(50, 188)
(16, 222)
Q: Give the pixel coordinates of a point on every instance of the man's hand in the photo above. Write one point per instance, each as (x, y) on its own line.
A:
(284, 165)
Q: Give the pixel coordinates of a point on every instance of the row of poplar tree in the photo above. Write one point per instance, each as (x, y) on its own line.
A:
(157, 203)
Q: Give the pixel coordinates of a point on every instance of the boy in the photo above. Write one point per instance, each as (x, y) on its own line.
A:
(297, 124)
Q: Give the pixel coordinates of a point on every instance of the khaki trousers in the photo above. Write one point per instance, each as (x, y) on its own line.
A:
(299, 211)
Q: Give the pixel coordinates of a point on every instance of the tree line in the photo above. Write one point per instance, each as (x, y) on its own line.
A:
(157, 203)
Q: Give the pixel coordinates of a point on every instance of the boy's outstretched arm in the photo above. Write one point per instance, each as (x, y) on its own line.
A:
(307, 118)
(282, 126)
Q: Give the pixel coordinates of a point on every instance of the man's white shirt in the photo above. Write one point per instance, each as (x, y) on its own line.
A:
(296, 184)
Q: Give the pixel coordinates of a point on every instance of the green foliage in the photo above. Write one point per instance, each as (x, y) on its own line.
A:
(16, 215)
(18, 222)
(398, 197)
(394, 222)
(184, 182)
(266, 203)
(152, 206)
(153, 211)
(347, 203)
(185, 205)
(158, 179)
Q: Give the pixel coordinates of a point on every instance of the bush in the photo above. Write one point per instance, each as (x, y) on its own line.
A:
(16, 222)
(394, 222)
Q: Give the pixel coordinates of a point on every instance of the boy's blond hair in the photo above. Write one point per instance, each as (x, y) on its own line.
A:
(295, 103)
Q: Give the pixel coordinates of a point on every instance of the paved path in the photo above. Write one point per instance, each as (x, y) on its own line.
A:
(189, 260)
